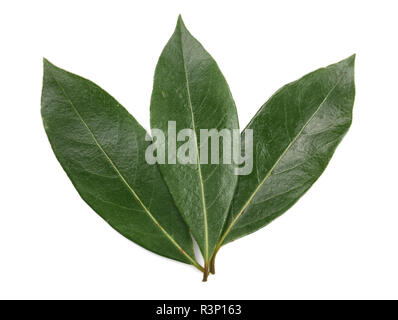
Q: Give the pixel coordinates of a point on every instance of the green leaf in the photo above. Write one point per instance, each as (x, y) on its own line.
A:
(101, 147)
(190, 89)
(295, 134)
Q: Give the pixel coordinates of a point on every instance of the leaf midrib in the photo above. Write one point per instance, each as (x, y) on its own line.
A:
(153, 219)
(269, 173)
(206, 233)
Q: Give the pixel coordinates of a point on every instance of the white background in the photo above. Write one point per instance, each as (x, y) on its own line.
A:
(339, 241)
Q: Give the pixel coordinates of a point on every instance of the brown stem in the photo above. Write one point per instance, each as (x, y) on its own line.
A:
(205, 273)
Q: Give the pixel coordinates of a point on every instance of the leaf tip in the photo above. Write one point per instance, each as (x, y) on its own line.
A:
(180, 23)
(350, 62)
(47, 64)
(352, 57)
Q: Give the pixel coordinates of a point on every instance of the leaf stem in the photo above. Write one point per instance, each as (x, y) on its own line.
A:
(205, 272)
(212, 264)
(213, 257)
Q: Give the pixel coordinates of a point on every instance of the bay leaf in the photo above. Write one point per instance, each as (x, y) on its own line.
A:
(190, 90)
(101, 147)
(295, 134)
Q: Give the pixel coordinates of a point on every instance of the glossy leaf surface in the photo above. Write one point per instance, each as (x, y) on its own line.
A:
(101, 147)
(190, 90)
(295, 134)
